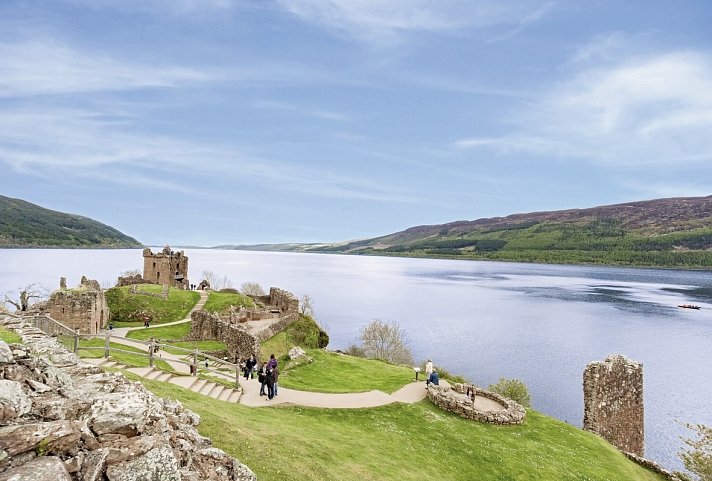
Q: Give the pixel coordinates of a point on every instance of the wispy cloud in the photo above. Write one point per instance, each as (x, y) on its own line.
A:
(297, 109)
(525, 22)
(46, 66)
(378, 20)
(651, 110)
(82, 144)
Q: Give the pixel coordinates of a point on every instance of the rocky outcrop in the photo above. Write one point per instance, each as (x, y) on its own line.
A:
(76, 422)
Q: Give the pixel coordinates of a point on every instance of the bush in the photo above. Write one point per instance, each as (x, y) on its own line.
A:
(323, 338)
(513, 389)
(698, 459)
(305, 332)
(356, 351)
(444, 374)
(386, 341)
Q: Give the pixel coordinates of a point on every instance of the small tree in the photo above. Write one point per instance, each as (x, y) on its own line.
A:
(386, 341)
(252, 289)
(698, 458)
(31, 291)
(132, 273)
(513, 389)
(305, 305)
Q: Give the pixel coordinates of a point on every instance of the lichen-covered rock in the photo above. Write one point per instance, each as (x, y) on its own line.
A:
(119, 414)
(296, 352)
(56, 437)
(13, 401)
(45, 468)
(159, 464)
(5, 353)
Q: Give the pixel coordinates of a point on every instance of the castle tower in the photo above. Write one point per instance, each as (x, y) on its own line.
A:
(166, 267)
(613, 402)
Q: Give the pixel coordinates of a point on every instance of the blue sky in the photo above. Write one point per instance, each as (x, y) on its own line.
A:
(203, 122)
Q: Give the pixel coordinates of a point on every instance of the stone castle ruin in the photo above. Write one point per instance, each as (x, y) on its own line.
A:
(278, 309)
(166, 267)
(83, 309)
(613, 402)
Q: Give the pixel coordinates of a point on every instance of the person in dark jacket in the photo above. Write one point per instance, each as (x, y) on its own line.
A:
(275, 372)
(250, 367)
(434, 378)
(270, 382)
(262, 377)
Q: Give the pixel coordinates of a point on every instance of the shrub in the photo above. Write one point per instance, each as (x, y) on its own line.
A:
(445, 374)
(356, 351)
(513, 389)
(306, 332)
(698, 459)
(323, 338)
(252, 289)
(386, 341)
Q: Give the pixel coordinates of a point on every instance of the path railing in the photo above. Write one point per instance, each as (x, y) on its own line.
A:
(196, 359)
(54, 328)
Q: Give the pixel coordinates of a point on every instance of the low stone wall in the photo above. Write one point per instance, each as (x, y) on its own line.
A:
(654, 467)
(65, 420)
(454, 399)
(131, 280)
(239, 342)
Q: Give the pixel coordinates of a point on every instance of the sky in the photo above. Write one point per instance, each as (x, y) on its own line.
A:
(208, 122)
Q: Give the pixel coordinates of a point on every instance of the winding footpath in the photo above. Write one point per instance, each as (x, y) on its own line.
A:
(249, 393)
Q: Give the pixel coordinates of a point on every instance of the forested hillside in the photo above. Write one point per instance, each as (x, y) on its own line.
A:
(23, 224)
(674, 232)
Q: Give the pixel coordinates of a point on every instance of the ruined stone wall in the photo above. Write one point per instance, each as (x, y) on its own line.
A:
(285, 301)
(131, 280)
(65, 420)
(453, 399)
(83, 309)
(613, 402)
(239, 342)
(166, 267)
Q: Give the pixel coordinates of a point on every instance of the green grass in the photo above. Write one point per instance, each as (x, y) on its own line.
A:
(222, 301)
(401, 442)
(278, 345)
(124, 306)
(11, 337)
(338, 373)
(174, 336)
(128, 359)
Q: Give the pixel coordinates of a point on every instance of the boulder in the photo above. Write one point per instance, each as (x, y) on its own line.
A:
(54, 437)
(13, 401)
(296, 352)
(5, 353)
(118, 413)
(158, 464)
(44, 468)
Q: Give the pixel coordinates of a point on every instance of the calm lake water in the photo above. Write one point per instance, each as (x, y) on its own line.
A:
(485, 320)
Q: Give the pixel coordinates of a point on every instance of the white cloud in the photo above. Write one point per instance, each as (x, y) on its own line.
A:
(525, 21)
(653, 110)
(378, 20)
(80, 144)
(45, 66)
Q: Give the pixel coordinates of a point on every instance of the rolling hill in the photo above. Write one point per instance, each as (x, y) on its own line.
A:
(674, 232)
(23, 224)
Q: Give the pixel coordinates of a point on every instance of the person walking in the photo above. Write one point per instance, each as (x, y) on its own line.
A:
(262, 377)
(428, 372)
(275, 373)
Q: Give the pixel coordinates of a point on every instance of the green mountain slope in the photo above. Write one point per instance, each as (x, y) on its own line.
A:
(23, 224)
(674, 232)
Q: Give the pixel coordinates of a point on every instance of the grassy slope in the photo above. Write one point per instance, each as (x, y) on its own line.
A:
(9, 336)
(23, 224)
(401, 442)
(221, 301)
(174, 336)
(122, 304)
(332, 372)
(140, 359)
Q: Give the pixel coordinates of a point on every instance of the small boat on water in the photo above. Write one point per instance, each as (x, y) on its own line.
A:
(688, 306)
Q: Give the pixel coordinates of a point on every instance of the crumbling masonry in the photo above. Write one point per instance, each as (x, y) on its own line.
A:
(613, 402)
(83, 309)
(166, 267)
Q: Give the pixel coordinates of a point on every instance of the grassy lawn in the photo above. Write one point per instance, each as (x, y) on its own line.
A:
(277, 345)
(221, 301)
(9, 336)
(337, 373)
(124, 306)
(401, 442)
(173, 335)
(131, 360)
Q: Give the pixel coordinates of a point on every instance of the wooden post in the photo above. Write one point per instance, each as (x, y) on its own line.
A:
(150, 354)
(195, 362)
(106, 345)
(76, 343)
(237, 376)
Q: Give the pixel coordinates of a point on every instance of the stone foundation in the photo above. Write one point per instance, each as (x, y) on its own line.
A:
(454, 399)
(239, 342)
(83, 309)
(613, 402)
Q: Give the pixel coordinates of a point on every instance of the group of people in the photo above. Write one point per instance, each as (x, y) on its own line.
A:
(431, 374)
(267, 374)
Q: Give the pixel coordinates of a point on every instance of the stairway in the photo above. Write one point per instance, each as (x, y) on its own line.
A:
(201, 386)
